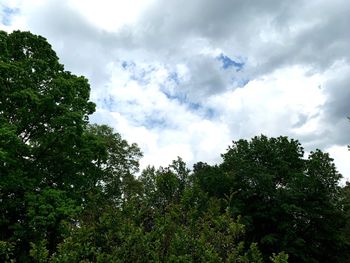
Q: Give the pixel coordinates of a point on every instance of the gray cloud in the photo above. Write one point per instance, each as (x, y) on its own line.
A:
(83, 48)
(336, 110)
(270, 34)
(337, 107)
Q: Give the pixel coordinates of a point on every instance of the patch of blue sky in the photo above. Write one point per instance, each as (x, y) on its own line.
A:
(169, 95)
(239, 82)
(140, 77)
(180, 97)
(107, 103)
(198, 108)
(153, 122)
(243, 82)
(7, 14)
(227, 62)
(125, 64)
(173, 76)
(138, 73)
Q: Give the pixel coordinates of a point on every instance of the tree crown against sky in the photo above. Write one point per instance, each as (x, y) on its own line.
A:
(69, 191)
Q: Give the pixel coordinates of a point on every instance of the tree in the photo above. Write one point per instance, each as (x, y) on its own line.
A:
(51, 160)
(288, 203)
(212, 179)
(43, 113)
(56, 169)
(345, 193)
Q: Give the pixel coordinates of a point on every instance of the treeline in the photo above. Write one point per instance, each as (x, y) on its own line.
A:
(68, 190)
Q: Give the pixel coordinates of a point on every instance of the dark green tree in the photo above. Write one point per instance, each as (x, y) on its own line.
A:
(212, 179)
(57, 171)
(43, 113)
(346, 210)
(288, 203)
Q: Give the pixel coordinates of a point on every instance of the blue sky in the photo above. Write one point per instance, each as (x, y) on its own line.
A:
(187, 81)
(228, 63)
(7, 13)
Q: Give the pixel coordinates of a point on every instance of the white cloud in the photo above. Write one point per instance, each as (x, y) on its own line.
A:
(164, 127)
(341, 156)
(110, 15)
(273, 105)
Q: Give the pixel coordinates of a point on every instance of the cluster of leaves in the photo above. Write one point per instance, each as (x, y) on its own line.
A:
(68, 190)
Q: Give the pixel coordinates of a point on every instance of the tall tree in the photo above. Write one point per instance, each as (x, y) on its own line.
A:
(43, 114)
(57, 171)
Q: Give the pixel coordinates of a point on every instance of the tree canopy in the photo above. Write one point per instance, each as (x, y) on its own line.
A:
(69, 189)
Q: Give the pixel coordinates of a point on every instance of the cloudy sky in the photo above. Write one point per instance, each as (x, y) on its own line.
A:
(186, 77)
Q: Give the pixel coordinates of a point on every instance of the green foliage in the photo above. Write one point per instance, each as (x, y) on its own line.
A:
(54, 166)
(345, 237)
(163, 224)
(212, 179)
(39, 252)
(6, 251)
(174, 237)
(279, 258)
(288, 203)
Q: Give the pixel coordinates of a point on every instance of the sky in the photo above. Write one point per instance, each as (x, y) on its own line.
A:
(186, 78)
